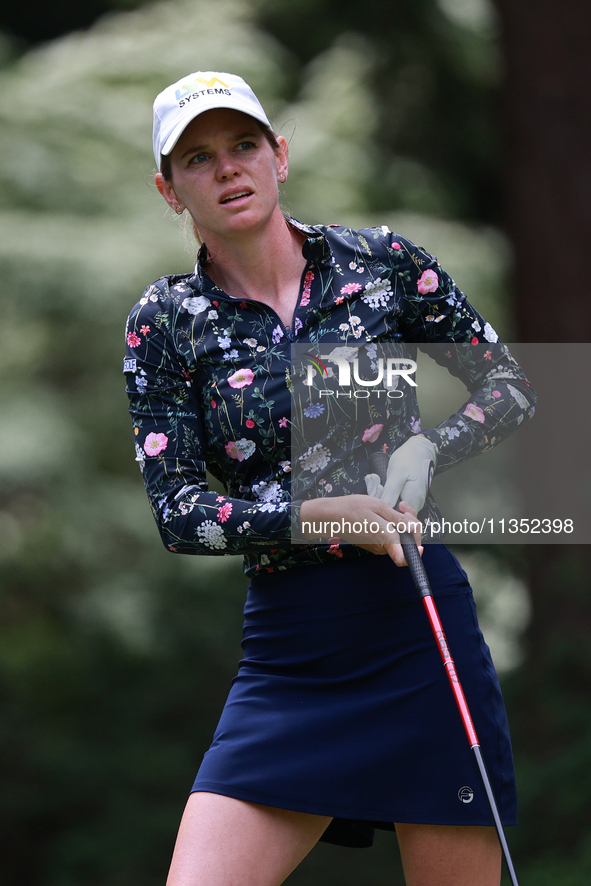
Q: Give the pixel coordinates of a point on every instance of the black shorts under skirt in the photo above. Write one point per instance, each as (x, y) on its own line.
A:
(342, 706)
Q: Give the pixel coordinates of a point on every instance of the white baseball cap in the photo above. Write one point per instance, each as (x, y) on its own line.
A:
(180, 103)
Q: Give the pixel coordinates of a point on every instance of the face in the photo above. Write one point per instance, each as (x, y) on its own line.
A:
(224, 171)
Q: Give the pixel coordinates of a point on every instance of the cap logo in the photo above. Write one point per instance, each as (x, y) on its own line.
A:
(186, 88)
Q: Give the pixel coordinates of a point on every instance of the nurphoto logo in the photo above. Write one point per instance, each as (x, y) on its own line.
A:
(389, 371)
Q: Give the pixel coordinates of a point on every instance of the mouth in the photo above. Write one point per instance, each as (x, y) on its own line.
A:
(232, 198)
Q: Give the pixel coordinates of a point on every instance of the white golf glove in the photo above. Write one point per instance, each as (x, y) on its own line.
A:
(410, 470)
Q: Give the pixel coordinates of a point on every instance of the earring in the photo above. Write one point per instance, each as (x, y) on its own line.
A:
(178, 209)
(281, 177)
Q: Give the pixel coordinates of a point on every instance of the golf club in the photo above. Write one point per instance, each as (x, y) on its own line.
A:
(379, 464)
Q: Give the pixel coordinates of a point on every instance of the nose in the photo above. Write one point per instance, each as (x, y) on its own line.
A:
(227, 166)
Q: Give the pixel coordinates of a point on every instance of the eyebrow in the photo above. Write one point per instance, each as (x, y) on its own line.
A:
(238, 137)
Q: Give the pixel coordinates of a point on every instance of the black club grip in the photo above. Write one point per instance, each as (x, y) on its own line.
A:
(378, 462)
(415, 564)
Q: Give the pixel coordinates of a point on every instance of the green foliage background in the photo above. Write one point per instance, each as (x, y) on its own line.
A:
(115, 656)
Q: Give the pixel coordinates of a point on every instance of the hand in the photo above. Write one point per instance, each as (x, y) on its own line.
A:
(364, 520)
(410, 469)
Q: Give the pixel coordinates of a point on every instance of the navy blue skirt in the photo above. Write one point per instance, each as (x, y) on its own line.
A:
(342, 707)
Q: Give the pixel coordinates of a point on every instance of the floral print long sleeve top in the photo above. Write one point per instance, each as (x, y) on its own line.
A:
(209, 384)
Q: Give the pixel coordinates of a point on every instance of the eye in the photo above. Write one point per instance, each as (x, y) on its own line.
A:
(246, 146)
(199, 158)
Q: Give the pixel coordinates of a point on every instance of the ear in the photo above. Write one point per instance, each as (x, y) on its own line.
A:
(166, 189)
(282, 157)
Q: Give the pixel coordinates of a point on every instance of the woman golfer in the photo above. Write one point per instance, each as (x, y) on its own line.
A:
(340, 719)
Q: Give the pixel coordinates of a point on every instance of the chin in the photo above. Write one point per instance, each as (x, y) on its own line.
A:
(247, 221)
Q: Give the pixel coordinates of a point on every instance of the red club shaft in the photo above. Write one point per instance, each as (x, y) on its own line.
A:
(421, 581)
(450, 670)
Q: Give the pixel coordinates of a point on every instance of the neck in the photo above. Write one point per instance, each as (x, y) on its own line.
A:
(264, 264)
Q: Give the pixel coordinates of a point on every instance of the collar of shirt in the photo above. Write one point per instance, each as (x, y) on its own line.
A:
(316, 250)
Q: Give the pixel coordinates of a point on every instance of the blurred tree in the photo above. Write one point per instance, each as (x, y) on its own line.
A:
(547, 164)
(37, 23)
(434, 76)
(547, 207)
(551, 719)
(114, 656)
